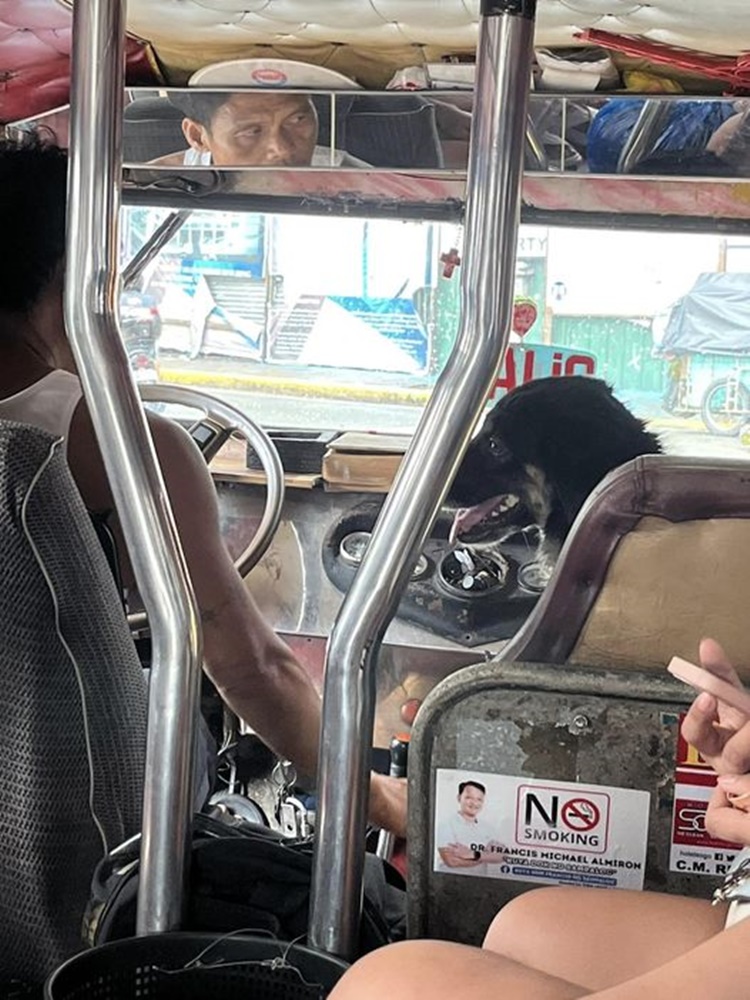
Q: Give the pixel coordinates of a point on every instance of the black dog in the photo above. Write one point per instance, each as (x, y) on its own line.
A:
(540, 452)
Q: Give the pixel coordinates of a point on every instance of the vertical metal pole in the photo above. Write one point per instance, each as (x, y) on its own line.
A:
(91, 300)
(643, 136)
(563, 132)
(504, 59)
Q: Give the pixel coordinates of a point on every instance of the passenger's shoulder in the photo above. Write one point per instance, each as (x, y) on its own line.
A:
(170, 160)
(172, 442)
(183, 467)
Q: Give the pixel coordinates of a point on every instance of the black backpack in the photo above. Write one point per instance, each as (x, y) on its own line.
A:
(242, 877)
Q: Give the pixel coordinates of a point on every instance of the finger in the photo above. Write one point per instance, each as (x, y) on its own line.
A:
(734, 784)
(713, 658)
(719, 800)
(737, 790)
(698, 727)
(718, 803)
(735, 757)
(728, 824)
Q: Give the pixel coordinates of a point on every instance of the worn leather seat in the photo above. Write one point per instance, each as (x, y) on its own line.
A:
(658, 557)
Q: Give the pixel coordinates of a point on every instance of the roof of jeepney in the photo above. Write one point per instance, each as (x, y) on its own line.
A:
(412, 31)
(365, 39)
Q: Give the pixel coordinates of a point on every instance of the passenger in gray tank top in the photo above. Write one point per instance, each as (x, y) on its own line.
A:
(256, 673)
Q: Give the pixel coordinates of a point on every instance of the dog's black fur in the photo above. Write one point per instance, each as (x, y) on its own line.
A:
(550, 442)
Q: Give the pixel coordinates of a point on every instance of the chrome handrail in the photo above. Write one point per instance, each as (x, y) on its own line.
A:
(642, 139)
(504, 61)
(91, 317)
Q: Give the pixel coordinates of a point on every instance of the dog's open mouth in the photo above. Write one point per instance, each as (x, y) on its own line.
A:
(470, 522)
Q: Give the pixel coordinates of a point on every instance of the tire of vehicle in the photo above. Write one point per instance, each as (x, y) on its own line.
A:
(719, 421)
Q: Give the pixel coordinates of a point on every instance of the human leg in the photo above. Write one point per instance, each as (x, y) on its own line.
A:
(597, 938)
(440, 970)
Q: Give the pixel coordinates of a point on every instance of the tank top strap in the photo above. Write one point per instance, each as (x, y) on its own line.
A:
(48, 403)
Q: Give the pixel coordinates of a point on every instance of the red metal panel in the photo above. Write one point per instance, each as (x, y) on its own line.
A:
(35, 39)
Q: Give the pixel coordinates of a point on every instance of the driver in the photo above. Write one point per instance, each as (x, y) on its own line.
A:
(247, 129)
(255, 672)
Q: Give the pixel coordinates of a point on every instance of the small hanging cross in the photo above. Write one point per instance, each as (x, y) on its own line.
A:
(450, 261)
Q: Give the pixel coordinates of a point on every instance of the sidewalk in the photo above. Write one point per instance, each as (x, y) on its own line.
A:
(295, 380)
(351, 384)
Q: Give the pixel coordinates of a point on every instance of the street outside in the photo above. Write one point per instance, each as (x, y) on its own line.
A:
(322, 414)
(698, 443)
(678, 436)
(288, 396)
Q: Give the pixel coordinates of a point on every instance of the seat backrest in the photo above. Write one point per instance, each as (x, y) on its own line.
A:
(657, 559)
(72, 708)
(152, 127)
(578, 768)
(396, 132)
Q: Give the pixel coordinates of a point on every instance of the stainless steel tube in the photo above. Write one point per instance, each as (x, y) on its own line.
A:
(504, 60)
(644, 134)
(154, 245)
(397, 769)
(91, 298)
(535, 147)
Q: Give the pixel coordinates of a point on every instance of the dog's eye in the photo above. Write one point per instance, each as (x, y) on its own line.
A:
(495, 445)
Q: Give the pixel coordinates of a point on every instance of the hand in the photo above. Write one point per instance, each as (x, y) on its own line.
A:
(494, 852)
(728, 815)
(461, 852)
(388, 803)
(720, 733)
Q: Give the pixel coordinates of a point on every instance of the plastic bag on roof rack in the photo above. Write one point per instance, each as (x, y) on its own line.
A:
(687, 131)
(434, 76)
(639, 81)
(575, 70)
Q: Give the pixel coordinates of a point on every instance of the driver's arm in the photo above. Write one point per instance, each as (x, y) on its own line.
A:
(254, 670)
(256, 673)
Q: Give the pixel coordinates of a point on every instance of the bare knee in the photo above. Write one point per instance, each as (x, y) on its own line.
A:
(525, 918)
(398, 965)
(413, 969)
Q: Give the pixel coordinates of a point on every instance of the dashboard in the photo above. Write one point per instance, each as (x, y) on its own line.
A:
(472, 595)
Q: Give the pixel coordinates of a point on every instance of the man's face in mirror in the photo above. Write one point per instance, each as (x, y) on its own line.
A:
(258, 130)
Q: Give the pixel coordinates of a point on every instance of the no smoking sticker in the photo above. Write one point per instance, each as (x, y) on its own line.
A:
(580, 814)
(552, 814)
(525, 830)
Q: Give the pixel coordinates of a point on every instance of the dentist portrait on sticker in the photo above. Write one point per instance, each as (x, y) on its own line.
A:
(466, 842)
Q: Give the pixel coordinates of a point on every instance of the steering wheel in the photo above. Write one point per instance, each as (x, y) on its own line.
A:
(218, 423)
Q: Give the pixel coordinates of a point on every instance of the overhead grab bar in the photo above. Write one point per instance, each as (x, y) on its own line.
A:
(504, 62)
(91, 318)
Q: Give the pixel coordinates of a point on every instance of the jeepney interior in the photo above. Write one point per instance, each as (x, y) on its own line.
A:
(323, 303)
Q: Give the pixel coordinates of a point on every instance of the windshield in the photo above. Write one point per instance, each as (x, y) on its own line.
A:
(345, 323)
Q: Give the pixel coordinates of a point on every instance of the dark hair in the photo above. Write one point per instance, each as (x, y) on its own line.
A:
(471, 784)
(200, 107)
(33, 193)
